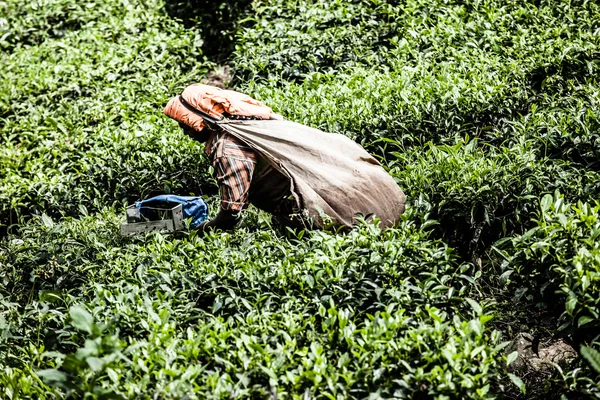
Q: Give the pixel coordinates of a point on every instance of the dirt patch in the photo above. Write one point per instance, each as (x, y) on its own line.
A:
(556, 353)
(539, 355)
(219, 77)
(536, 366)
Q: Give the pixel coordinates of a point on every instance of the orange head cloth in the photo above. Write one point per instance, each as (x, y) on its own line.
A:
(176, 110)
(214, 102)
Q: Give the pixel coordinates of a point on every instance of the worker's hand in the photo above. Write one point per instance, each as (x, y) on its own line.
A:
(225, 220)
(202, 227)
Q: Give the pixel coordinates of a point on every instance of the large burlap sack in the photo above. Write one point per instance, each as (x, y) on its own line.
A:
(329, 173)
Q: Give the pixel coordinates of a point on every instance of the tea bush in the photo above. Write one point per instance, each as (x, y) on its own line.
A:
(62, 175)
(480, 193)
(432, 70)
(245, 314)
(567, 128)
(560, 256)
(439, 102)
(559, 261)
(290, 40)
(428, 102)
(34, 23)
(81, 110)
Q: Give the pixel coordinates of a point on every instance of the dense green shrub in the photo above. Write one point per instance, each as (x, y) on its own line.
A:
(413, 105)
(252, 312)
(558, 262)
(292, 39)
(561, 256)
(260, 313)
(33, 23)
(439, 102)
(479, 193)
(82, 122)
(62, 174)
(566, 127)
(218, 20)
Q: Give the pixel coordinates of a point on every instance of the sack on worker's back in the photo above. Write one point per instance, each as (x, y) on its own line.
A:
(329, 173)
(192, 207)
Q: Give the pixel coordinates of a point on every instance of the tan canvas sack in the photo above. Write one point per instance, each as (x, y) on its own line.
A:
(329, 173)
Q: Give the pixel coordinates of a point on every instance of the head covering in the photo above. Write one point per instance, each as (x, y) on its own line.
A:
(215, 102)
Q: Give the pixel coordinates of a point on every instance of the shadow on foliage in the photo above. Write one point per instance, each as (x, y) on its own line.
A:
(577, 67)
(217, 20)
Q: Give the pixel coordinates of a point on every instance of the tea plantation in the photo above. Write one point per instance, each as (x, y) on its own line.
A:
(486, 112)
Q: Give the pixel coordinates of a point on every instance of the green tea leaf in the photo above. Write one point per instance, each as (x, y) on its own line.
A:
(512, 357)
(592, 356)
(95, 363)
(52, 376)
(518, 382)
(584, 320)
(475, 306)
(547, 202)
(570, 304)
(81, 318)
(47, 221)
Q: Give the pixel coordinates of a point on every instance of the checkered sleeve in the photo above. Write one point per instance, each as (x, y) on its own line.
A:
(234, 167)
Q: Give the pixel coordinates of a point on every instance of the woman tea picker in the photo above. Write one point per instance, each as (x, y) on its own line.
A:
(303, 176)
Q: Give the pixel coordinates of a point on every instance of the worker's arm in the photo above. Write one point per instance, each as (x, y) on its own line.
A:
(234, 166)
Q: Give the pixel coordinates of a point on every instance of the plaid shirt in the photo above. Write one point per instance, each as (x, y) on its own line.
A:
(234, 163)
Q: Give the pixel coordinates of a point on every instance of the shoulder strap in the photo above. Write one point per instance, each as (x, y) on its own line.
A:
(209, 119)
